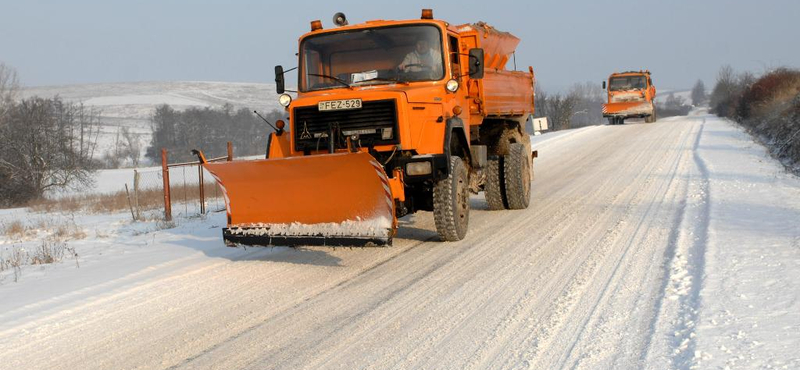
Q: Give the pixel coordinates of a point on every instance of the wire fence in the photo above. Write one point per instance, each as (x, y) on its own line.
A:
(188, 190)
(147, 193)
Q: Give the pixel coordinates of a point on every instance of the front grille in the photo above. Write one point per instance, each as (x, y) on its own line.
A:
(373, 122)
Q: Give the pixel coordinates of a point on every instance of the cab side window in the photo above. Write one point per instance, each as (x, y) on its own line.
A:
(454, 56)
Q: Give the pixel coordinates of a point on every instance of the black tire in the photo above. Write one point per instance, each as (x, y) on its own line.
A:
(451, 203)
(650, 118)
(517, 174)
(612, 121)
(494, 189)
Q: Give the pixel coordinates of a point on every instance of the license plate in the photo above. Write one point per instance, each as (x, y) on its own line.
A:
(339, 104)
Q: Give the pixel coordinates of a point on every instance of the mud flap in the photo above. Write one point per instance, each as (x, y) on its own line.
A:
(332, 199)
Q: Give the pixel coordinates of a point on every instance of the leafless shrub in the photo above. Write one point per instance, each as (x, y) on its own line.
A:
(48, 252)
(164, 225)
(768, 107)
(14, 260)
(673, 106)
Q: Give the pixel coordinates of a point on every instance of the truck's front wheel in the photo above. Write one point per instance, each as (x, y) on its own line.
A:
(517, 176)
(651, 118)
(451, 202)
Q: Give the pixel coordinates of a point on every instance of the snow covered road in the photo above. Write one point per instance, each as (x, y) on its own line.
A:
(666, 245)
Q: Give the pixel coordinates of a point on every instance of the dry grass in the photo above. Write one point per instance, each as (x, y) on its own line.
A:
(15, 230)
(150, 199)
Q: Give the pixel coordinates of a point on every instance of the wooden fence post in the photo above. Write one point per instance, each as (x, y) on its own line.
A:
(136, 179)
(165, 177)
(202, 189)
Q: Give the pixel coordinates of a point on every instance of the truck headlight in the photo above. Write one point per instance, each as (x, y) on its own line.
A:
(418, 168)
(451, 86)
(285, 100)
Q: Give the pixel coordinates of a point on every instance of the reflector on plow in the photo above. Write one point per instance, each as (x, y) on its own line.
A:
(341, 199)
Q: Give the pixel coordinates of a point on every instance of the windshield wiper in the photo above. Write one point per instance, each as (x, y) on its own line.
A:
(337, 79)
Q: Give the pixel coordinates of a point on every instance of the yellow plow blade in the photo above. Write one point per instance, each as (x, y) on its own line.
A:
(332, 199)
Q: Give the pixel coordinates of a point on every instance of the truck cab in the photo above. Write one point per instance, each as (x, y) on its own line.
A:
(630, 95)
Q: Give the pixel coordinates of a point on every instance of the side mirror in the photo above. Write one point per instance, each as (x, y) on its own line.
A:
(604, 85)
(476, 63)
(279, 83)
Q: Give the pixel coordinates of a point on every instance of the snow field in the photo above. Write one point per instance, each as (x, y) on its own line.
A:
(666, 245)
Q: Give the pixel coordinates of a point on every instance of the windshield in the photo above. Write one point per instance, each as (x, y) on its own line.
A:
(627, 83)
(371, 56)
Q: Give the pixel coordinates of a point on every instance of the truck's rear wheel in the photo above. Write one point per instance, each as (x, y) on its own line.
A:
(494, 189)
(517, 176)
(451, 203)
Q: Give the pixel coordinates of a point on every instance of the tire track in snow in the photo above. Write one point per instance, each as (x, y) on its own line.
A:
(473, 257)
(673, 324)
(540, 341)
(611, 319)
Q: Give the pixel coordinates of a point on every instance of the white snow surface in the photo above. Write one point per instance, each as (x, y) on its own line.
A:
(658, 246)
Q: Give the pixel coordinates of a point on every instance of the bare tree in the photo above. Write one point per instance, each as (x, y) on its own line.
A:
(47, 144)
(208, 129)
(133, 147)
(9, 88)
(560, 110)
(113, 157)
(699, 96)
(588, 104)
(724, 92)
(540, 102)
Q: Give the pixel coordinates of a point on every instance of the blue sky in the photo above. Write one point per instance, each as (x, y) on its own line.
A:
(60, 42)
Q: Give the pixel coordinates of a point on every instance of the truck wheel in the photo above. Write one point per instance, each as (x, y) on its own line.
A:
(517, 174)
(494, 189)
(612, 121)
(451, 202)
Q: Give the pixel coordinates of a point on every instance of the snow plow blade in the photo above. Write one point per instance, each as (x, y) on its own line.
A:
(627, 109)
(341, 199)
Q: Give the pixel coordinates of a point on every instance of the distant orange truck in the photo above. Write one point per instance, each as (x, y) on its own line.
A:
(630, 95)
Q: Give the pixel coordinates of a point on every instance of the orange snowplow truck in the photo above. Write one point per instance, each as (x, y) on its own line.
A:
(390, 118)
(630, 95)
